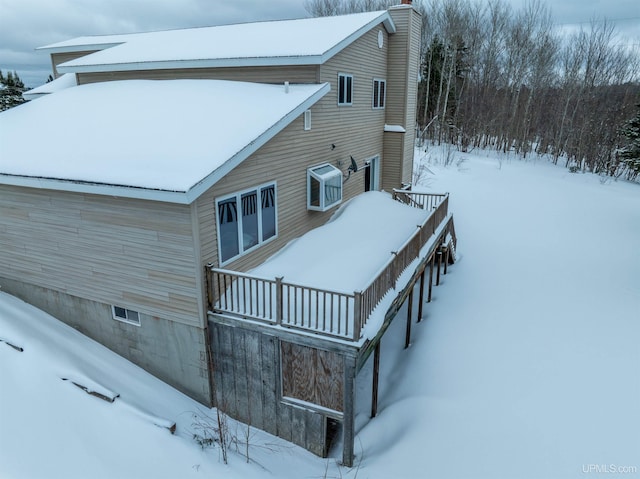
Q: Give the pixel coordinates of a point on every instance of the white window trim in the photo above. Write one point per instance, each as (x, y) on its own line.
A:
(238, 196)
(384, 94)
(346, 75)
(125, 320)
(307, 120)
(323, 206)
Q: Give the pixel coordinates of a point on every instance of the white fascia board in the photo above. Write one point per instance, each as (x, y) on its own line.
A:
(198, 189)
(95, 188)
(179, 197)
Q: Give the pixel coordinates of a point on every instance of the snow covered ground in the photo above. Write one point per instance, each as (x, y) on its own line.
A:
(527, 364)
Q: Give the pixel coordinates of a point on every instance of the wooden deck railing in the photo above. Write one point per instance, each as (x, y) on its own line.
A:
(423, 201)
(322, 311)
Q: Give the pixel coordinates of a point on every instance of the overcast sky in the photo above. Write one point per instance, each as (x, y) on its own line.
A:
(27, 24)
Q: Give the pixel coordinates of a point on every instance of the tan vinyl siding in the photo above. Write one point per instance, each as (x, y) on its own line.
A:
(131, 253)
(402, 87)
(354, 130)
(292, 74)
(392, 170)
(285, 160)
(58, 58)
(397, 80)
(412, 95)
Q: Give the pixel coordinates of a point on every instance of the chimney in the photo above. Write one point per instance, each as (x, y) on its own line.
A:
(406, 2)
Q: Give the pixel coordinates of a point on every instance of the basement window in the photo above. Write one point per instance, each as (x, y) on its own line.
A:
(324, 187)
(126, 315)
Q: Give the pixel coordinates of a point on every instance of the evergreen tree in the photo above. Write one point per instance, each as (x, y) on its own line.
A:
(16, 80)
(11, 90)
(630, 154)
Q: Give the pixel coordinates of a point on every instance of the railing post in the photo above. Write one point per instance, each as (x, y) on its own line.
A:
(208, 292)
(357, 315)
(279, 300)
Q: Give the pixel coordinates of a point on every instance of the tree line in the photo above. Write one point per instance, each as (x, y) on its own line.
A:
(11, 89)
(494, 77)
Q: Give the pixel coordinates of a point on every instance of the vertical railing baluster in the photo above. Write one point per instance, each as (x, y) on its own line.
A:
(331, 317)
(244, 296)
(324, 310)
(317, 308)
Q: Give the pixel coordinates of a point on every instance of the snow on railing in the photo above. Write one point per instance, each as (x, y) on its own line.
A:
(322, 311)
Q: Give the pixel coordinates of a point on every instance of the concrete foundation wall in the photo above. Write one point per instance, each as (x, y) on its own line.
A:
(174, 352)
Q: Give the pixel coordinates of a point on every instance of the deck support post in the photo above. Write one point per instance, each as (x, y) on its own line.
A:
(439, 254)
(407, 340)
(421, 295)
(431, 266)
(349, 412)
(446, 258)
(376, 373)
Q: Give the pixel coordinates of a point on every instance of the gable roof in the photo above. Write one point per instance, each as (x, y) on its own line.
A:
(165, 140)
(306, 41)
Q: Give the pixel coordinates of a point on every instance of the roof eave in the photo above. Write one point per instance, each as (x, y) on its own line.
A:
(86, 47)
(69, 67)
(101, 189)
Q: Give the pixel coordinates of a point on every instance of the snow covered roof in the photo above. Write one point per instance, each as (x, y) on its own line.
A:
(166, 140)
(287, 42)
(65, 81)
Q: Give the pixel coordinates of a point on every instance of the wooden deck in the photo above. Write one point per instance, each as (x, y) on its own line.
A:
(327, 313)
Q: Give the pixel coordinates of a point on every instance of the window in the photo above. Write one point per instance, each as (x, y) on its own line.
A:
(324, 187)
(345, 89)
(379, 90)
(126, 315)
(245, 220)
(307, 120)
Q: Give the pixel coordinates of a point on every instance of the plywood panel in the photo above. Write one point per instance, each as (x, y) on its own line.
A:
(312, 375)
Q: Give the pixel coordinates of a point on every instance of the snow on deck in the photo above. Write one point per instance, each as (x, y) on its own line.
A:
(346, 253)
(309, 37)
(160, 135)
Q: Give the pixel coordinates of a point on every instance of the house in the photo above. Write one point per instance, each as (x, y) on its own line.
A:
(142, 191)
